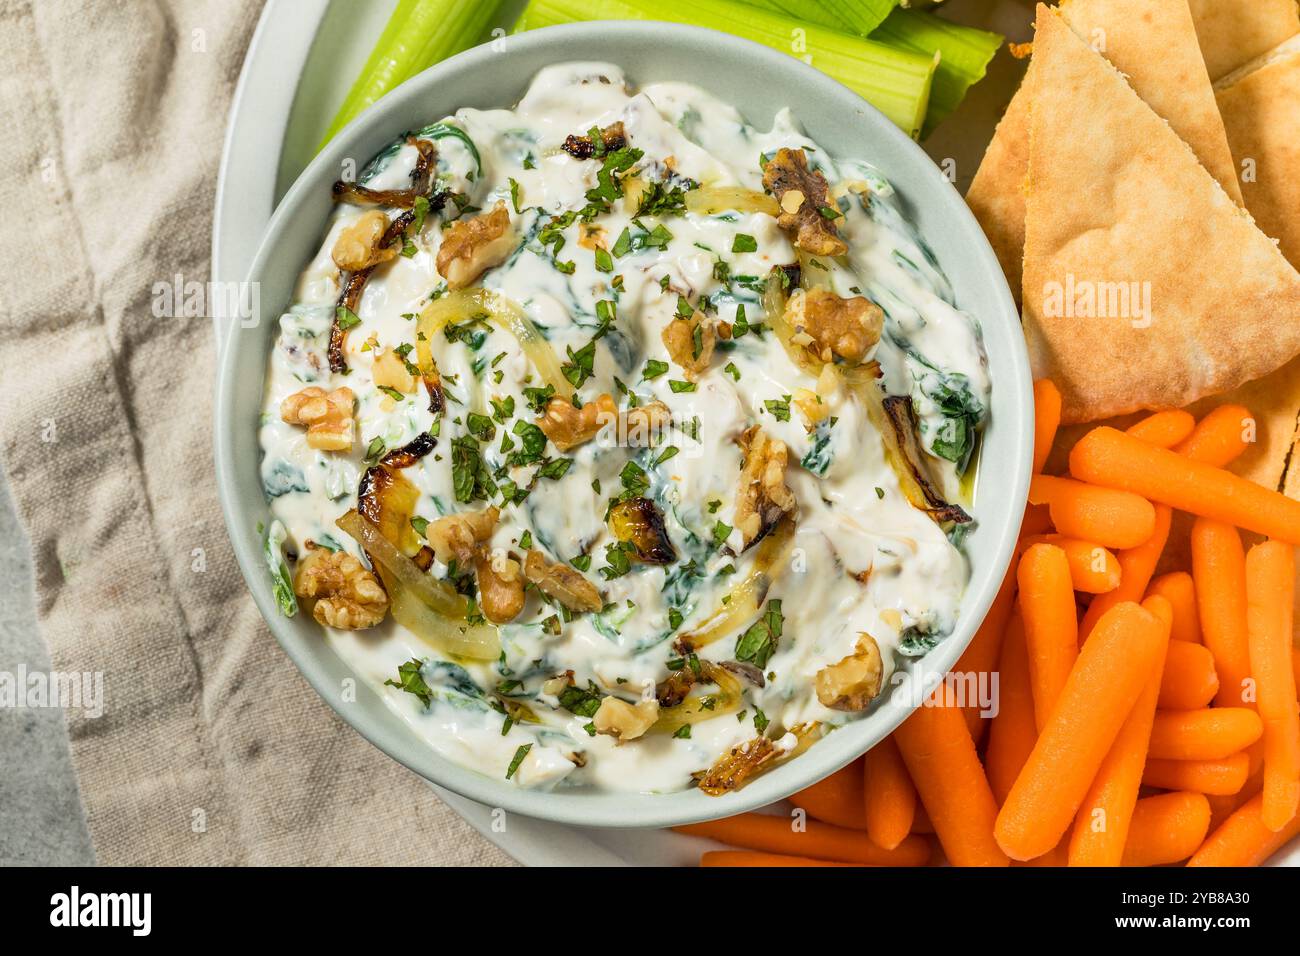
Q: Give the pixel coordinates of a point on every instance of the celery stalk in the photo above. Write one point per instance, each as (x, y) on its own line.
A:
(419, 34)
(896, 82)
(847, 16)
(964, 55)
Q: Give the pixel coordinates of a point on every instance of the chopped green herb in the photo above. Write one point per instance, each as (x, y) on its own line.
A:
(744, 243)
(758, 643)
(579, 701)
(653, 369)
(518, 758)
(346, 317)
(412, 681)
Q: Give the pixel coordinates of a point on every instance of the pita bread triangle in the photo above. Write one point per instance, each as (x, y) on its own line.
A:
(1154, 43)
(1261, 113)
(1145, 285)
(1234, 31)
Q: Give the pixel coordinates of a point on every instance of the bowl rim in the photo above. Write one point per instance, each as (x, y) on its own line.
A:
(599, 808)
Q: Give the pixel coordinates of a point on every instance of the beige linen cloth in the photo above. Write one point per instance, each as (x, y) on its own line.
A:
(211, 749)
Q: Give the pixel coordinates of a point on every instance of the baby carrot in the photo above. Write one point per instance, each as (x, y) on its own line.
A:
(1177, 588)
(1136, 567)
(981, 654)
(1110, 517)
(1047, 418)
(890, 798)
(821, 841)
(1113, 459)
(1270, 587)
(1013, 731)
(1037, 520)
(1166, 828)
(1220, 778)
(1219, 570)
(754, 858)
(1093, 569)
(1220, 437)
(1166, 429)
(1051, 624)
(1189, 681)
(1102, 826)
(1113, 667)
(1206, 734)
(835, 799)
(1243, 840)
(949, 779)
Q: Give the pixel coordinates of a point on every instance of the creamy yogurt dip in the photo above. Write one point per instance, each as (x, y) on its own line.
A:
(720, 623)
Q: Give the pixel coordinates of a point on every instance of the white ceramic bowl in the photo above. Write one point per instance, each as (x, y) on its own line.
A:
(758, 81)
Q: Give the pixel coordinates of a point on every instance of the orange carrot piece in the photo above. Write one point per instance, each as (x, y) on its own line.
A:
(1093, 569)
(1047, 418)
(1166, 828)
(1243, 840)
(981, 654)
(1270, 595)
(1189, 681)
(1111, 518)
(1102, 825)
(1220, 437)
(821, 841)
(1113, 459)
(1219, 569)
(1220, 778)
(836, 799)
(1210, 733)
(1037, 520)
(1113, 667)
(890, 797)
(1013, 731)
(949, 779)
(1051, 624)
(1166, 429)
(1179, 590)
(750, 858)
(1136, 567)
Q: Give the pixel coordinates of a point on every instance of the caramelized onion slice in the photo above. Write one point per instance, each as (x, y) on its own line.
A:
(462, 305)
(711, 200)
(705, 704)
(433, 610)
(906, 458)
(746, 599)
(742, 764)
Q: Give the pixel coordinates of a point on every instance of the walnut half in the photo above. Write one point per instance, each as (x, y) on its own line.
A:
(360, 245)
(472, 246)
(327, 415)
(568, 426)
(347, 595)
(828, 326)
(802, 194)
(852, 683)
(500, 585)
(690, 343)
(562, 583)
(456, 537)
(762, 498)
(617, 718)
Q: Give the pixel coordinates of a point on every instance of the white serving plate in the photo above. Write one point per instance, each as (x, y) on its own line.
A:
(298, 68)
